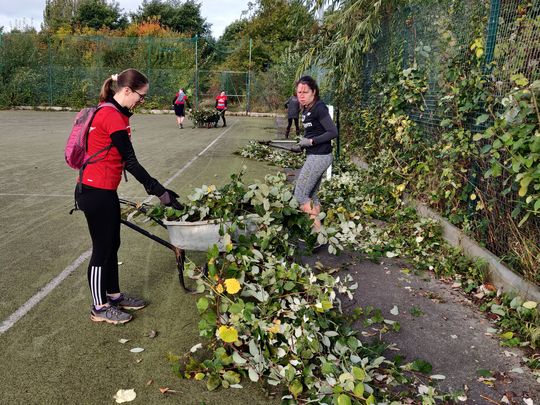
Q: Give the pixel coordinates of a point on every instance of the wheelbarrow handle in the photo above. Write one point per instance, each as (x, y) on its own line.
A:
(272, 145)
(142, 208)
(180, 254)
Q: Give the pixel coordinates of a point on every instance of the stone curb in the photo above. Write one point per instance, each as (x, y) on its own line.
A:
(500, 275)
(230, 113)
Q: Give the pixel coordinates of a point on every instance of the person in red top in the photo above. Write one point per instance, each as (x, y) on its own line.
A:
(179, 104)
(221, 106)
(98, 199)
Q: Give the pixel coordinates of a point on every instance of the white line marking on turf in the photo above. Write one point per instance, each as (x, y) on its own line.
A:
(34, 300)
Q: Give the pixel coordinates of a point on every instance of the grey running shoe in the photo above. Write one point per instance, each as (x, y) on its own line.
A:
(110, 315)
(127, 302)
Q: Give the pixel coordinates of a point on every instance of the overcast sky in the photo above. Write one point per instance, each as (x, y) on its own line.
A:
(219, 13)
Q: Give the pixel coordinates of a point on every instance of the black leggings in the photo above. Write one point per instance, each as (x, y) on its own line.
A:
(222, 115)
(102, 211)
(289, 123)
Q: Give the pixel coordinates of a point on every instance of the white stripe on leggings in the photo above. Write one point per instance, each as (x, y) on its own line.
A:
(95, 284)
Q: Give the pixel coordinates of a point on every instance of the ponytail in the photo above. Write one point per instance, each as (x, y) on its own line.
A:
(107, 91)
(131, 78)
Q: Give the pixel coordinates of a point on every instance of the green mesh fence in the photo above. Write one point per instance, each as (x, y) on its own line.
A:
(68, 71)
(426, 36)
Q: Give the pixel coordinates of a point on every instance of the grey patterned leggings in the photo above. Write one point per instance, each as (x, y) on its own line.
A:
(309, 178)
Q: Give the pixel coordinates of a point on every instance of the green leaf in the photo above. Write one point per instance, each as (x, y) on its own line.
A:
(213, 382)
(296, 388)
(359, 374)
(484, 373)
(344, 399)
(481, 119)
(202, 304)
(519, 79)
(421, 366)
(371, 400)
(359, 390)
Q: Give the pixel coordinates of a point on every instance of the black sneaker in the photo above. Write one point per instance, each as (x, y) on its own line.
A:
(110, 315)
(127, 302)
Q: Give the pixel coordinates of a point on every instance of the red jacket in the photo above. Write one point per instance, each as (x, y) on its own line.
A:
(221, 102)
(107, 172)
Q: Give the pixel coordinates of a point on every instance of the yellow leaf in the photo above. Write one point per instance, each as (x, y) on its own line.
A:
(199, 376)
(219, 288)
(507, 335)
(401, 187)
(530, 304)
(228, 334)
(232, 285)
(473, 197)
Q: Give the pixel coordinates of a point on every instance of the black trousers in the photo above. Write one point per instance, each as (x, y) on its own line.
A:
(290, 121)
(102, 211)
(222, 115)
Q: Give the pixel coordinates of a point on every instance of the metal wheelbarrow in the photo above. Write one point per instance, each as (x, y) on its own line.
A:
(197, 236)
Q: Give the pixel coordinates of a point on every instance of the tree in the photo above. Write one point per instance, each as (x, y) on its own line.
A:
(175, 15)
(348, 31)
(58, 13)
(98, 14)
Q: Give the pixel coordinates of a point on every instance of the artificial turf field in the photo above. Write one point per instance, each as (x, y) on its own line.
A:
(54, 354)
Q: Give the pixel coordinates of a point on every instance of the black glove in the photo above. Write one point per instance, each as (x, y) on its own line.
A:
(305, 142)
(169, 199)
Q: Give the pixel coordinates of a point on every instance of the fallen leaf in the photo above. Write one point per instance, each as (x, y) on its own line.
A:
(394, 311)
(123, 341)
(518, 370)
(138, 361)
(137, 350)
(122, 396)
(453, 336)
(149, 382)
(528, 401)
(196, 347)
(152, 334)
(167, 391)
(438, 377)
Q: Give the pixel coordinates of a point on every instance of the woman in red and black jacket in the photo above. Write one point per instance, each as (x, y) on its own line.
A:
(221, 106)
(179, 105)
(98, 197)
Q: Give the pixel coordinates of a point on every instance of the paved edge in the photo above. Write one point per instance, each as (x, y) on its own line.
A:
(499, 274)
(144, 111)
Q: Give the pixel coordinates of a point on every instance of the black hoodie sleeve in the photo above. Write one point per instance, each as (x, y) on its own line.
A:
(121, 141)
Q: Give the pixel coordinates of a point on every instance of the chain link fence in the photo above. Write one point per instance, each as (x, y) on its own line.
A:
(428, 37)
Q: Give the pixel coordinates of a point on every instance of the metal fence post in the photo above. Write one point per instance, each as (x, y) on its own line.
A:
(491, 36)
(50, 70)
(196, 72)
(248, 98)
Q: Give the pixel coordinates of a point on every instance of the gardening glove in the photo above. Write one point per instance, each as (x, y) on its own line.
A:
(169, 199)
(305, 143)
(296, 148)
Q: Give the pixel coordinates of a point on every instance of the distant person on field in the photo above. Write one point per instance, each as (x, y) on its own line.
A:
(293, 109)
(221, 106)
(179, 103)
(98, 199)
(319, 130)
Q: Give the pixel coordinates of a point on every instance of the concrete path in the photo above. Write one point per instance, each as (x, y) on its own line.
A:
(439, 325)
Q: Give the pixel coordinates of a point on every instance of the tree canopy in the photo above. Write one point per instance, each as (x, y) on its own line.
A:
(175, 15)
